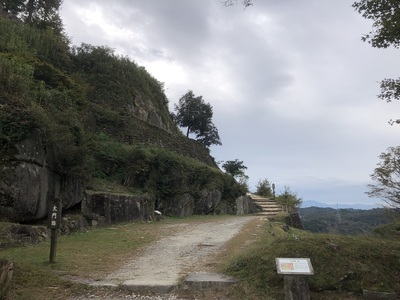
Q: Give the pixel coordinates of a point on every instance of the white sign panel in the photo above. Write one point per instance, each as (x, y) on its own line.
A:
(294, 266)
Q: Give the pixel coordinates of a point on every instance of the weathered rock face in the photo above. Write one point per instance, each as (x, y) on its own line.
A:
(28, 181)
(294, 220)
(186, 204)
(119, 208)
(209, 202)
(146, 110)
(179, 206)
(245, 205)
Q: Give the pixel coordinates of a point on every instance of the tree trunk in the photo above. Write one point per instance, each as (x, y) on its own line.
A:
(30, 7)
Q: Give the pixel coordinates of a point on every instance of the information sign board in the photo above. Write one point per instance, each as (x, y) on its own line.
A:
(294, 266)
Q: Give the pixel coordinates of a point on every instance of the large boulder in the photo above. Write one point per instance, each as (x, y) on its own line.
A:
(28, 180)
(245, 205)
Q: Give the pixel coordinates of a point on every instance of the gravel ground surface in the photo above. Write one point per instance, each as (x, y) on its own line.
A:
(162, 264)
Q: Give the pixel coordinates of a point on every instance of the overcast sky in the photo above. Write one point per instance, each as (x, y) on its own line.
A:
(293, 88)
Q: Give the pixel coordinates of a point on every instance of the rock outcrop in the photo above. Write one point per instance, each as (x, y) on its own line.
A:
(208, 202)
(245, 205)
(28, 181)
(119, 208)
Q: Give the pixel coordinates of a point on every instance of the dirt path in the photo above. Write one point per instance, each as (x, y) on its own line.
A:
(160, 266)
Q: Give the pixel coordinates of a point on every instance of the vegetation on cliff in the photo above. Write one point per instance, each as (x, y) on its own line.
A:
(101, 117)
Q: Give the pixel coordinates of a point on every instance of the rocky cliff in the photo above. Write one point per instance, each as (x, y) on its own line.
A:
(82, 120)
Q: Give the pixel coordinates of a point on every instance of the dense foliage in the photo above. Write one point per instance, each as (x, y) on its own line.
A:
(42, 14)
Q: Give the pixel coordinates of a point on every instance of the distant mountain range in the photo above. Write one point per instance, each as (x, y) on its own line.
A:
(311, 203)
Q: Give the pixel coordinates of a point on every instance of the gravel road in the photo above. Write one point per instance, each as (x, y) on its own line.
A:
(163, 263)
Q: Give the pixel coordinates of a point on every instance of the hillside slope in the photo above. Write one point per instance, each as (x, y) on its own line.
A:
(344, 221)
(73, 118)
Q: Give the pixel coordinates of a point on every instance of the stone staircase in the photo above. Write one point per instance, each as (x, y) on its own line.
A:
(269, 207)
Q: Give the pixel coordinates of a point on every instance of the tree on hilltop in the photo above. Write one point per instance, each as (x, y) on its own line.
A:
(192, 112)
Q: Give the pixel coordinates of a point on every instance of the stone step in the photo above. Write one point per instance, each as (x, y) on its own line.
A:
(269, 207)
(267, 203)
(266, 214)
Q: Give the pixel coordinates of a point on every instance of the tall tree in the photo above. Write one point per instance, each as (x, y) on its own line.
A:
(385, 32)
(387, 178)
(192, 112)
(44, 14)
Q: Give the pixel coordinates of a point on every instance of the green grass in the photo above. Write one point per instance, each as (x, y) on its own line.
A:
(341, 263)
(82, 254)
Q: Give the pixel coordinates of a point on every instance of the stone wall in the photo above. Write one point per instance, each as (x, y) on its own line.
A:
(119, 208)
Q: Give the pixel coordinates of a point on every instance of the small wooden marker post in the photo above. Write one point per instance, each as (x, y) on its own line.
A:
(54, 224)
(296, 272)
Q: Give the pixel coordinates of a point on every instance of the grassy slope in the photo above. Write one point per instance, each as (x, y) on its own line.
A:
(341, 263)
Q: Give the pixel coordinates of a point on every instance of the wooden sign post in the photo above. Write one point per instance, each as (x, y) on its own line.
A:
(296, 272)
(55, 209)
